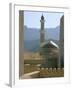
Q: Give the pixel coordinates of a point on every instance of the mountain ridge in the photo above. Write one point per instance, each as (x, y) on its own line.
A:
(34, 33)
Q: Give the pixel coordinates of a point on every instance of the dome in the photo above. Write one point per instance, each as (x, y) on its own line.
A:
(42, 17)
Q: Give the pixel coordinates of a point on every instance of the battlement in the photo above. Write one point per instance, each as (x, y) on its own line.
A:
(51, 72)
(44, 72)
(51, 69)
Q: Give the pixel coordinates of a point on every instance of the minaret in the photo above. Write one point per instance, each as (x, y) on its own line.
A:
(42, 33)
(61, 63)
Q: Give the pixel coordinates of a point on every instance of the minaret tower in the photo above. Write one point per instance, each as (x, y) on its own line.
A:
(42, 33)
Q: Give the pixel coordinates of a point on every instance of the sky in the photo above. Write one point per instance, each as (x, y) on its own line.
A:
(32, 19)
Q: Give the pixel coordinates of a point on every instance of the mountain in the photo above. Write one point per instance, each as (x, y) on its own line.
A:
(32, 45)
(34, 33)
(52, 33)
(32, 37)
(31, 33)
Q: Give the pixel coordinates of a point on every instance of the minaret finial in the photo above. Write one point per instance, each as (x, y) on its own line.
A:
(42, 17)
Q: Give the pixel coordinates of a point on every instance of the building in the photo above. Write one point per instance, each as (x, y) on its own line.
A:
(50, 53)
(62, 41)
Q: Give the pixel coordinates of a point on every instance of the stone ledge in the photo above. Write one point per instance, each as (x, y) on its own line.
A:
(30, 75)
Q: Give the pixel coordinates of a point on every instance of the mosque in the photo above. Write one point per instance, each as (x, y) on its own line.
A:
(51, 51)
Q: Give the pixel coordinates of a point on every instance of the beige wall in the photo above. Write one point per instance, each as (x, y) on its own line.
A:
(21, 25)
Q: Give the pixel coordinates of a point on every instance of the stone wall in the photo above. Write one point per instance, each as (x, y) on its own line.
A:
(44, 72)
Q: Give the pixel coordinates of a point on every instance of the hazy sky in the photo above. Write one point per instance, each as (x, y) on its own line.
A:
(32, 19)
